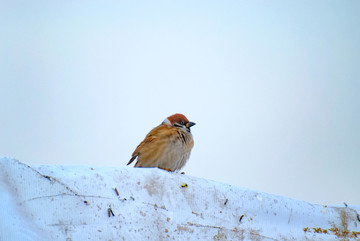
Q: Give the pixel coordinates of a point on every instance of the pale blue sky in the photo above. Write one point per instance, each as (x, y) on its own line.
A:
(272, 85)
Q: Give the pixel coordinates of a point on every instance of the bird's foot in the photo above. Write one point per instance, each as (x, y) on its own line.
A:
(166, 169)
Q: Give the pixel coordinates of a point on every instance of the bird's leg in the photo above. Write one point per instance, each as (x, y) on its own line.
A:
(166, 169)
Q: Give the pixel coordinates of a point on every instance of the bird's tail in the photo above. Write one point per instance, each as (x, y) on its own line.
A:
(131, 160)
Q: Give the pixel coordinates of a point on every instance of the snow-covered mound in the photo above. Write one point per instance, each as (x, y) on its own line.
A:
(46, 202)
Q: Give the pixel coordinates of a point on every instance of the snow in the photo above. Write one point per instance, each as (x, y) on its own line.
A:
(47, 202)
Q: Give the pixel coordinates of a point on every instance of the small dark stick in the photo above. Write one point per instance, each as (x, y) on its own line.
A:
(47, 177)
(117, 193)
(110, 212)
(226, 200)
(241, 217)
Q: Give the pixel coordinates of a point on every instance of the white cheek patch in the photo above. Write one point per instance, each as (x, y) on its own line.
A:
(166, 121)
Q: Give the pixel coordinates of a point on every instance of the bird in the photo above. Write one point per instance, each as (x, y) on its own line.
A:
(167, 146)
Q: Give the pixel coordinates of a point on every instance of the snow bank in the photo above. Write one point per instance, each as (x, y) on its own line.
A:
(41, 202)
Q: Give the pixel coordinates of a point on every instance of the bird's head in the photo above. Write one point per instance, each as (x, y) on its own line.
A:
(179, 120)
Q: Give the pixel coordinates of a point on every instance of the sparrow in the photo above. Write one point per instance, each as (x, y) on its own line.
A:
(167, 146)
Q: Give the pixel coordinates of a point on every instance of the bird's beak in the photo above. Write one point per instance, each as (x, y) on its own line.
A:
(190, 124)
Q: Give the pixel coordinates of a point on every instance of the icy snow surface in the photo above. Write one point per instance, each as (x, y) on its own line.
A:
(46, 202)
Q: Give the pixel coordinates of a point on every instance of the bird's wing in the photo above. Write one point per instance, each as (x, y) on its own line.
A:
(148, 139)
(151, 145)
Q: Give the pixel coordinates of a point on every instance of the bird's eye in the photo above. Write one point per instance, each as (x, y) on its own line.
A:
(182, 123)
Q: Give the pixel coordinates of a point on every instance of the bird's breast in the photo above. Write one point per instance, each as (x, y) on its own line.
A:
(184, 138)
